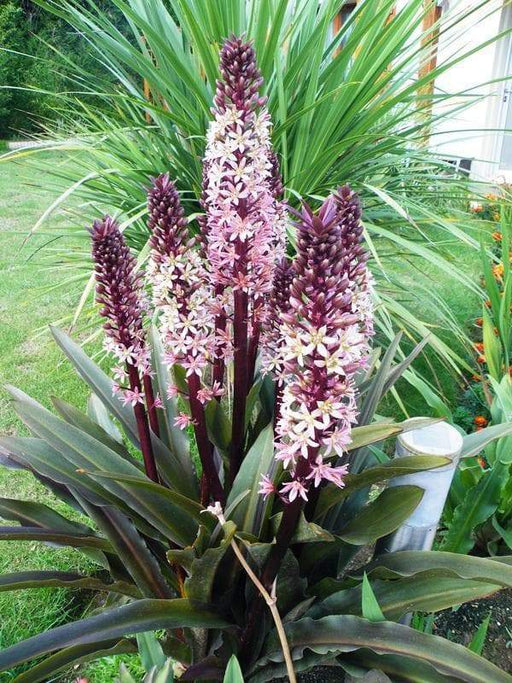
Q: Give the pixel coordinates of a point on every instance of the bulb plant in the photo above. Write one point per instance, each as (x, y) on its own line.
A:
(246, 381)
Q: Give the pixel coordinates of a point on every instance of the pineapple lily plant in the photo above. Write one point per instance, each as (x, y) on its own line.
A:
(229, 513)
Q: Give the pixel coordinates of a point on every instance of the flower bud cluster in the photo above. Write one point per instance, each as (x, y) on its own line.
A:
(180, 290)
(324, 342)
(242, 212)
(119, 291)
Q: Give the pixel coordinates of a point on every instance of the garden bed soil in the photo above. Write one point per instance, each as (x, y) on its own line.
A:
(460, 626)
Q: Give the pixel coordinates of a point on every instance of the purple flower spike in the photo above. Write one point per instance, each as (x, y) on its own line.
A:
(119, 289)
(167, 221)
(323, 343)
(180, 292)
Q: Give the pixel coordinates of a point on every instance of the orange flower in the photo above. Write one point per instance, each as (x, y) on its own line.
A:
(498, 270)
(477, 208)
(480, 421)
(487, 303)
(491, 197)
(481, 359)
(478, 346)
(497, 236)
(481, 462)
(479, 322)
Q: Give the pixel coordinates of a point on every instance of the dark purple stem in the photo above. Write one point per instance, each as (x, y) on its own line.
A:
(150, 403)
(211, 485)
(240, 384)
(142, 426)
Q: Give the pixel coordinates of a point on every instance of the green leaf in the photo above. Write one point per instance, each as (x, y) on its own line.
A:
(344, 633)
(140, 616)
(72, 656)
(176, 439)
(218, 425)
(305, 532)
(75, 540)
(410, 562)
(86, 453)
(131, 549)
(331, 495)
(60, 579)
(256, 463)
(427, 591)
(233, 671)
(478, 640)
(382, 516)
(176, 516)
(203, 569)
(176, 467)
(28, 513)
(505, 534)
(370, 608)
(480, 503)
(97, 412)
(492, 346)
(150, 651)
(474, 443)
(80, 420)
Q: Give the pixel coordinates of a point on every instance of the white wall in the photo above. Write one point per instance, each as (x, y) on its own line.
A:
(462, 134)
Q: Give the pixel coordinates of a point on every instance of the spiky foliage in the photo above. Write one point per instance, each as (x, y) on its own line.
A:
(345, 107)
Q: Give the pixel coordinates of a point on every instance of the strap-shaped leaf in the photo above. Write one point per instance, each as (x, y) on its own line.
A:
(331, 495)
(28, 513)
(477, 441)
(256, 463)
(35, 533)
(97, 412)
(139, 616)
(131, 549)
(177, 469)
(424, 592)
(79, 654)
(58, 579)
(410, 562)
(175, 515)
(233, 671)
(382, 516)
(202, 572)
(219, 426)
(48, 462)
(176, 439)
(79, 419)
(86, 453)
(339, 634)
(478, 505)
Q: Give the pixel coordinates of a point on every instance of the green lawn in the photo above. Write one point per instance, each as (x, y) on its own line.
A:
(30, 360)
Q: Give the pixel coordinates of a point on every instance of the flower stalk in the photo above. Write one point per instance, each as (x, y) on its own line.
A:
(119, 291)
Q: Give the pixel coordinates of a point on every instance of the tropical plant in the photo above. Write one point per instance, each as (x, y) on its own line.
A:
(479, 509)
(272, 376)
(345, 106)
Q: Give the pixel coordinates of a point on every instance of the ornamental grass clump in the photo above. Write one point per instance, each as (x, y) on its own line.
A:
(245, 378)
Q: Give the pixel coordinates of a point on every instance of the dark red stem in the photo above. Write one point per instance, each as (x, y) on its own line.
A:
(142, 426)
(240, 382)
(211, 478)
(220, 326)
(150, 404)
